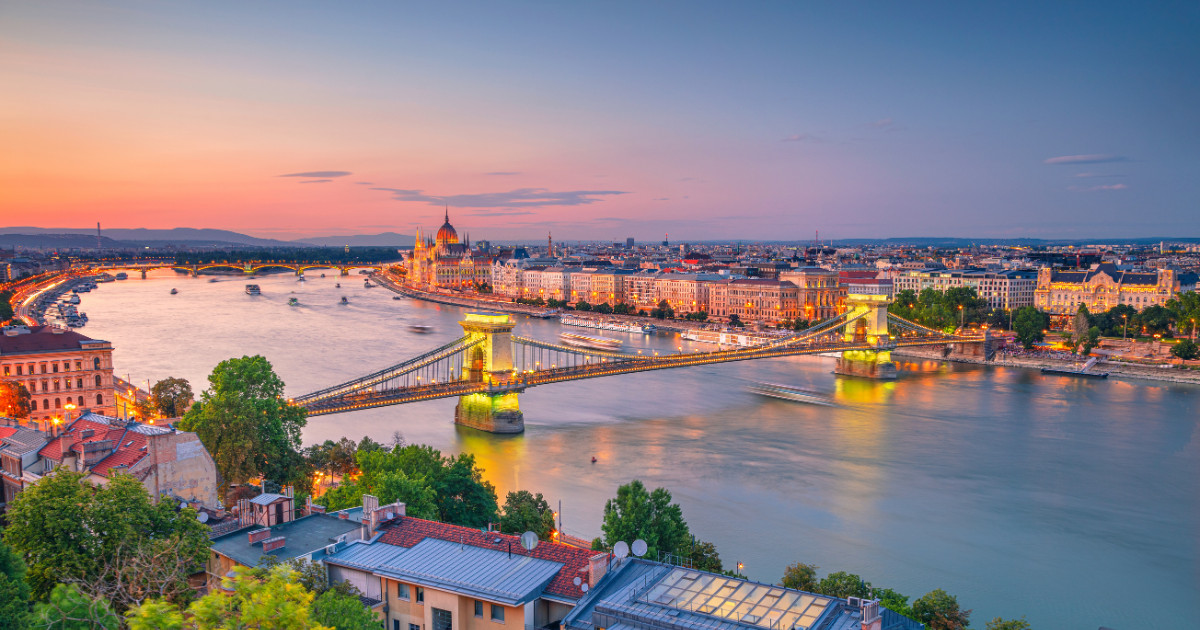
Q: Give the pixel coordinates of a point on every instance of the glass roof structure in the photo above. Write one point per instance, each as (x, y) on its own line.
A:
(736, 600)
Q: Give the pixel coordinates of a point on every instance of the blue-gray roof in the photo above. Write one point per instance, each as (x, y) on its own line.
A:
(302, 537)
(488, 574)
(366, 556)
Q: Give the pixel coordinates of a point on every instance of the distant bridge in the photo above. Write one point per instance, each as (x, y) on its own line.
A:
(488, 367)
(248, 266)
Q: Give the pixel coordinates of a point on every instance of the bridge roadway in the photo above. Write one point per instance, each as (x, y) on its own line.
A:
(621, 364)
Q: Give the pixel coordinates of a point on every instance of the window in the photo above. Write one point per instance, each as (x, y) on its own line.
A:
(413, 626)
(20, 372)
(58, 403)
(396, 624)
(54, 367)
(79, 383)
(442, 619)
(497, 613)
(97, 380)
(99, 399)
(402, 591)
(78, 365)
(6, 370)
(43, 368)
(478, 608)
(420, 595)
(45, 404)
(96, 363)
(81, 401)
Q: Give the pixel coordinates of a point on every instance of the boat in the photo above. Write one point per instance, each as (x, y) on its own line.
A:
(584, 341)
(122, 276)
(174, 291)
(792, 394)
(367, 284)
(613, 325)
(300, 279)
(1062, 372)
(338, 285)
(293, 302)
(344, 300)
(74, 299)
(213, 280)
(322, 275)
(397, 297)
(253, 289)
(422, 329)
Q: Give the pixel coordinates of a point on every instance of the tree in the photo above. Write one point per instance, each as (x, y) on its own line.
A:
(1185, 349)
(1030, 325)
(464, 496)
(419, 498)
(582, 305)
(1081, 323)
(603, 308)
(527, 512)
(69, 609)
(1091, 340)
(245, 423)
(939, 611)
(70, 531)
(697, 316)
(893, 601)
(171, 396)
(14, 591)
(340, 608)
(842, 584)
(663, 310)
(270, 600)
(1008, 624)
(702, 555)
(734, 320)
(650, 516)
(14, 400)
(800, 576)
(6, 309)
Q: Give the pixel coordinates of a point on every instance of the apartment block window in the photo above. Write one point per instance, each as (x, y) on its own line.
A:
(478, 608)
(497, 613)
(78, 365)
(20, 372)
(97, 380)
(413, 626)
(79, 383)
(420, 595)
(396, 624)
(402, 591)
(442, 619)
(54, 367)
(6, 370)
(96, 363)
(43, 368)
(81, 401)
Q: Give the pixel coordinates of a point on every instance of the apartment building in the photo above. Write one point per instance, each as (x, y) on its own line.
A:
(820, 294)
(59, 367)
(766, 301)
(1011, 289)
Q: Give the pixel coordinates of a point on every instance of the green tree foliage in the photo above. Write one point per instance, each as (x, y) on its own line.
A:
(14, 591)
(1030, 325)
(697, 316)
(939, 610)
(67, 608)
(527, 512)
(1080, 323)
(68, 530)
(734, 320)
(702, 555)
(1155, 320)
(450, 489)
(937, 309)
(603, 308)
(800, 576)
(6, 309)
(14, 400)
(1185, 309)
(621, 308)
(1091, 340)
(1008, 624)
(171, 396)
(340, 608)
(270, 600)
(636, 513)
(246, 424)
(583, 305)
(663, 310)
(842, 584)
(893, 601)
(1185, 349)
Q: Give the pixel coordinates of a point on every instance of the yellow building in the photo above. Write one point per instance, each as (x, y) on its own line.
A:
(446, 263)
(59, 367)
(1103, 286)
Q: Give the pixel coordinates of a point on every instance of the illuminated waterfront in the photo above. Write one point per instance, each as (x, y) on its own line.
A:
(1068, 501)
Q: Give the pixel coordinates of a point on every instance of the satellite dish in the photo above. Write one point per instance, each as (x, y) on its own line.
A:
(182, 504)
(639, 547)
(577, 581)
(583, 588)
(203, 517)
(529, 540)
(621, 549)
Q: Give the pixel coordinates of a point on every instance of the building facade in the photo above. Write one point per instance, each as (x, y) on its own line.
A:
(1010, 289)
(820, 295)
(446, 263)
(1103, 286)
(62, 370)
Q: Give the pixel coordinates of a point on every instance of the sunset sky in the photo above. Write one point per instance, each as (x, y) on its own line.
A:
(601, 120)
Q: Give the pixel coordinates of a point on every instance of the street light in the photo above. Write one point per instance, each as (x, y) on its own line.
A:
(960, 315)
(1124, 325)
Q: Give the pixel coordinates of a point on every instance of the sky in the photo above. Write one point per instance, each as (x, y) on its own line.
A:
(602, 120)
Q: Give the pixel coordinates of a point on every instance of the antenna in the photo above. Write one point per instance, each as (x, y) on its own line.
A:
(529, 541)
(621, 549)
(577, 581)
(202, 517)
(583, 587)
(639, 547)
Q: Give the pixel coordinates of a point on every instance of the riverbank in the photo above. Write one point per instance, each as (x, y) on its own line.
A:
(1117, 369)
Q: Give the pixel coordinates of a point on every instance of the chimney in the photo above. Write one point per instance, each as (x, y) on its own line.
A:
(260, 535)
(597, 567)
(871, 620)
(271, 544)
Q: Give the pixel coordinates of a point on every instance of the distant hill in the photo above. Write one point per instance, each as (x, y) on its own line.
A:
(56, 241)
(144, 236)
(385, 239)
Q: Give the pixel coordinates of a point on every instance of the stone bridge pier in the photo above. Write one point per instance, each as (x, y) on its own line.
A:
(871, 302)
(489, 362)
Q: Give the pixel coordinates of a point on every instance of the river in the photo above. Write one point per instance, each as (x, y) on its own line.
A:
(1072, 502)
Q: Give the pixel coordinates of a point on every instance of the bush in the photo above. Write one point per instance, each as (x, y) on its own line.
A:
(1186, 350)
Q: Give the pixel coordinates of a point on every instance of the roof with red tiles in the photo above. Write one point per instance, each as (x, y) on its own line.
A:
(407, 531)
(42, 339)
(7, 431)
(129, 442)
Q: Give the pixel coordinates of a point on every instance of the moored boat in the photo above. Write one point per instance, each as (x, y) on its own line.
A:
(344, 300)
(174, 291)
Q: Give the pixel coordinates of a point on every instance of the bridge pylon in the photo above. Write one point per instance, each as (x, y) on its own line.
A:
(490, 362)
(869, 303)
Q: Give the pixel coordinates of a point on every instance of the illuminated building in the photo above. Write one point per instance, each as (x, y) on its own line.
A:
(59, 367)
(446, 263)
(820, 294)
(1010, 289)
(1103, 286)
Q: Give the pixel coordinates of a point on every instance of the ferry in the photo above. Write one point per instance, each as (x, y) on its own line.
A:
(122, 276)
(293, 302)
(421, 329)
(615, 326)
(596, 343)
(1062, 372)
(367, 284)
(174, 291)
(253, 289)
(792, 394)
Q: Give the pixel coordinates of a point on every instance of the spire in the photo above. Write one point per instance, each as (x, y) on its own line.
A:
(447, 213)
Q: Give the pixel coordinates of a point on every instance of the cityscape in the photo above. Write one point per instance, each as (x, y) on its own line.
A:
(599, 317)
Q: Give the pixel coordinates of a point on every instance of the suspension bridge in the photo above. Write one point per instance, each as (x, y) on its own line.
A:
(488, 367)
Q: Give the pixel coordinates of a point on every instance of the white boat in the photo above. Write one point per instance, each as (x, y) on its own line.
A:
(596, 343)
(74, 299)
(792, 394)
(615, 326)
(122, 276)
(421, 329)
(253, 289)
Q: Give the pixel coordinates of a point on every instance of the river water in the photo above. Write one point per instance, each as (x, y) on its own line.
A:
(1072, 502)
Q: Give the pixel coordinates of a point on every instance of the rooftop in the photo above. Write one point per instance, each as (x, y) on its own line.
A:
(43, 339)
(302, 536)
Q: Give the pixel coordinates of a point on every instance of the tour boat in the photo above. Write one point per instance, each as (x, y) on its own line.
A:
(615, 326)
(174, 291)
(793, 394)
(423, 329)
(253, 289)
(293, 302)
(1062, 372)
(344, 300)
(122, 276)
(596, 343)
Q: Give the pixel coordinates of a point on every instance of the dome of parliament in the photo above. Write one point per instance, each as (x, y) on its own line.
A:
(447, 234)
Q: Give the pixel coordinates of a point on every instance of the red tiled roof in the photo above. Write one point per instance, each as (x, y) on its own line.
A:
(407, 531)
(7, 431)
(41, 339)
(128, 444)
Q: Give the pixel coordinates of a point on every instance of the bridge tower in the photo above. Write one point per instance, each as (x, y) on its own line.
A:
(871, 301)
(489, 362)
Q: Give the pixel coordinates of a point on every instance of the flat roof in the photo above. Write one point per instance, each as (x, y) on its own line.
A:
(489, 574)
(302, 536)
